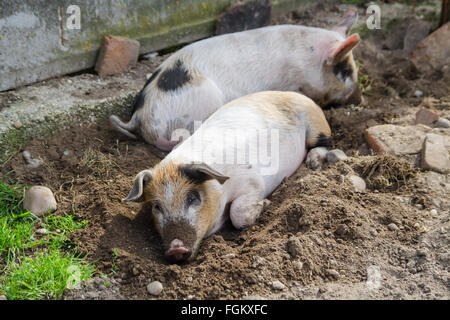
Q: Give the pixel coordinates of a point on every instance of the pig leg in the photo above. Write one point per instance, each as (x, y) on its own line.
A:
(246, 208)
(316, 157)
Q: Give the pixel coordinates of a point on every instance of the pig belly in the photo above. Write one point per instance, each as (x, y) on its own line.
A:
(292, 152)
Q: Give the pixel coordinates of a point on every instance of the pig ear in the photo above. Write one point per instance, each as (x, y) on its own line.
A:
(347, 22)
(341, 51)
(137, 190)
(201, 172)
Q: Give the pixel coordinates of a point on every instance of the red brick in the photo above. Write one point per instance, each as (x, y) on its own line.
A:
(433, 52)
(116, 55)
(426, 116)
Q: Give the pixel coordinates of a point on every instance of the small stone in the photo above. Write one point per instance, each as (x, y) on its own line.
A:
(150, 55)
(31, 163)
(298, 265)
(135, 271)
(443, 123)
(392, 227)
(333, 273)
(2, 297)
(190, 297)
(418, 93)
(277, 285)
(17, 124)
(229, 256)
(434, 154)
(189, 279)
(336, 155)
(39, 200)
(116, 55)
(42, 231)
(426, 116)
(92, 294)
(416, 225)
(294, 247)
(373, 232)
(358, 183)
(421, 252)
(155, 288)
(433, 212)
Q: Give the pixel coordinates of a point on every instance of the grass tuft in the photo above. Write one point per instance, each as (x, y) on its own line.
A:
(39, 268)
(45, 275)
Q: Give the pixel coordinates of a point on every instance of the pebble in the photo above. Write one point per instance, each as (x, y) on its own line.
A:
(31, 162)
(190, 297)
(418, 93)
(294, 247)
(333, 273)
(392, 227)
(298, 265)
(373, 232)
(3, 298)
(39, 200)
(336, 155)
(277, 285)
(229, 256)
(433, 212)
(155, 288)
(443, 123)
(358, 183)
(42, 231)
(421, 252)
(17, 124)
(189, 279)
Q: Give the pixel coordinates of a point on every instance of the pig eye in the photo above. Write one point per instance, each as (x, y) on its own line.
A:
(343, 70)
(193, 197)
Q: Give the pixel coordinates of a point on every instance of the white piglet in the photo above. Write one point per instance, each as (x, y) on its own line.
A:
(237, 157)
(198, 79)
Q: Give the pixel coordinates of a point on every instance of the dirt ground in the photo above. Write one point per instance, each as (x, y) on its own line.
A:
(319, 237)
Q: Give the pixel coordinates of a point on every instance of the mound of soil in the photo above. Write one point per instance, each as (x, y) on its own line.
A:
(318, 236)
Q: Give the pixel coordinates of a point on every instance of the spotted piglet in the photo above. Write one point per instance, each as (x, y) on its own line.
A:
(234, 160)
(195, 81)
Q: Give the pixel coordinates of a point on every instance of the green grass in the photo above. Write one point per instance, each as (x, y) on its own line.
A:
(36, 266)
(45, 275)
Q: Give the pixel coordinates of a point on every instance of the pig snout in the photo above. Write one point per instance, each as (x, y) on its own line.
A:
(177, 252)
(355, 97)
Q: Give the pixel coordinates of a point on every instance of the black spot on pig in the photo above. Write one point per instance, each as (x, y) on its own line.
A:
(174, 78)
(322, 141)
(140, 100)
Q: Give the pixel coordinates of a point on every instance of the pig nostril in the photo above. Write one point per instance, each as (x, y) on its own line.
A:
(174, 256)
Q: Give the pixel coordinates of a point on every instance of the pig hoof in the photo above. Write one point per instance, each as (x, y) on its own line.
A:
(315, 158)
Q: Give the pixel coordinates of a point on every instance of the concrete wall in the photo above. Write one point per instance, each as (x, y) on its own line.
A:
(37, 42)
